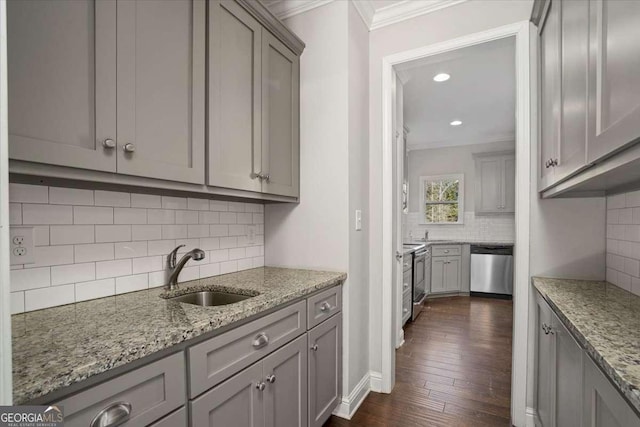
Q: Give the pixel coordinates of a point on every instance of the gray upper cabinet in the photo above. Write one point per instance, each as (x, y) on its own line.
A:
(161, 84)
(325, 359)
(614, 77)
(495, 183)
(235, 97)
(62, 82)
(280, 118)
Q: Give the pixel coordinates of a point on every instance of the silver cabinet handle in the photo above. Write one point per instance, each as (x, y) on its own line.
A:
(314, 347)
(271, 379)
(129, 148)
(446, 251)
(406, 285)
(113, 415)
(261, 386)
(554, 162)
(405, 310)
(547, 329)
(398, 256)
(266, 177)
(325, 307)
(109, 144)
(406, 264)
(260, 340)
(256, 175)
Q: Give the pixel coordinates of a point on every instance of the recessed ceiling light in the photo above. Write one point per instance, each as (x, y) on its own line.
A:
(442, 77)
(455, 123)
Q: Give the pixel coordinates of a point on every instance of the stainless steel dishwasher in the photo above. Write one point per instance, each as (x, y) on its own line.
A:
(492, 270)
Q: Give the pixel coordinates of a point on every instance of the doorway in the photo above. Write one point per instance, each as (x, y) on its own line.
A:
(391, 215)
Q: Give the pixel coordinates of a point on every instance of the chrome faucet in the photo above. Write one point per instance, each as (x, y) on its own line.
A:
(195, 254)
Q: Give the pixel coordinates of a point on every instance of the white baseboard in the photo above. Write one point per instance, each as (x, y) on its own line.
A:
(400, 338)
(350, 404)
(376, 381)
(530, 416)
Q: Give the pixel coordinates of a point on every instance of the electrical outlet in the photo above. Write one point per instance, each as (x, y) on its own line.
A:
(22, 245)
(358, 220)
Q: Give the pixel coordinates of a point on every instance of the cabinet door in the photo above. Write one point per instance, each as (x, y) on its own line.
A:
(62, 82)
(280, 118)
(568, 377)
(508, 184)
(544, 363)
(575, 52)
(161, 65)
(325, 342)
(603, 405)
(614, 77)
(285, 373)
(437, 274)
(489, 185)
(235, 79)
(236, 402)
(452, 274)
(550, 69)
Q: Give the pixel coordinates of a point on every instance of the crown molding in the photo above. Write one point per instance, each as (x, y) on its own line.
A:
(449, 143)
(284, 9)
(373, 19)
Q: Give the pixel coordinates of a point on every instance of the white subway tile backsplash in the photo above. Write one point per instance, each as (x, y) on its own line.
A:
(130, 249)
(25, 193)
(93, 252)
(37, 299)
(46, 214)
(94, 243)
(30, 278)
(92, 215)
(145, 201)
(95, 289)
(632, 199)
(70, 196)
(115, 268)
(623, 241)
(112, 198)
(474, 228)
(72, 273)
(112, 233)
(71, 234)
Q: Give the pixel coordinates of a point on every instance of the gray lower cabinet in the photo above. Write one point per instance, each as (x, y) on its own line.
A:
(176, 419)
(139, 397)
(445, 274)
(325, 369)
(544, 363)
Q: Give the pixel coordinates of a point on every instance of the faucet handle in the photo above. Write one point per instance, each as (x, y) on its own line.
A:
(171, 259)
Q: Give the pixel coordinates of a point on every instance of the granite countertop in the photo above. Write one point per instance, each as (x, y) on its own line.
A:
(61, 346)
(605, 321)
(462, 242)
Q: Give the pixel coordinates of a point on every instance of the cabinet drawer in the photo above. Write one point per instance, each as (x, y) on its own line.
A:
(446, 250)
(152, 391)
(407, 277)
(407, 262)
(177, 419)
(220, 357)
(406, 306)
(323, 306)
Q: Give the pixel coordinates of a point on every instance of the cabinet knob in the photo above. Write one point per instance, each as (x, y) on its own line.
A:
(129, 148)
(260, 340)
(266, 177)
(398, 255)
(554, 162)
(405, 310)
(261, 386)
(109, 144)
(325, 307)
(113, 415)
(446, 251)
(406, 285)
(271, 378)
(314, 347)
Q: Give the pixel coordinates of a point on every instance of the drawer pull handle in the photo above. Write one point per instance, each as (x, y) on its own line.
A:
(271, 379)
(314, 347)
(406, 285)
(260, 340)
(325, 307)
(261, 386)
(405, 310)
(446, 251)
(113, 415)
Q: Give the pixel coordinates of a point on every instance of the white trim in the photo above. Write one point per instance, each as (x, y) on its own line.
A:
(350, 404)
(521, 30)
(6, 380)
(284, 9)
(366, 10)
(376, 381)
(427, 145)
(532, 416)
(454, 176)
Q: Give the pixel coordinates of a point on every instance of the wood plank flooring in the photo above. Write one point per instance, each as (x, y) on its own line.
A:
(453, 370)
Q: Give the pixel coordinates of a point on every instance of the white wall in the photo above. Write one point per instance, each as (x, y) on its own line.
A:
(445, 24)
(319, 232)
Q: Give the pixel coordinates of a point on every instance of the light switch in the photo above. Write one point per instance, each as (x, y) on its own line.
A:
(22, 246)
(358, 220)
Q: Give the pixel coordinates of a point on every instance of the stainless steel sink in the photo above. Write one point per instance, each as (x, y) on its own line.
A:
(210, 298)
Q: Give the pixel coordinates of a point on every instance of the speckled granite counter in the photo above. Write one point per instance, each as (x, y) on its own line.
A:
(61, 346)
(462, 242)
(605, 320)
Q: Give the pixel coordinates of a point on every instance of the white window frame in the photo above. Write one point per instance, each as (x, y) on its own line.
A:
(423, 215)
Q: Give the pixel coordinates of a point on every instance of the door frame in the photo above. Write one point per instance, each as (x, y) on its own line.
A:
(524, 33)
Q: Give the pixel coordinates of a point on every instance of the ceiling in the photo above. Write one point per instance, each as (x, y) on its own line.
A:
(480, 93)
(375, 13)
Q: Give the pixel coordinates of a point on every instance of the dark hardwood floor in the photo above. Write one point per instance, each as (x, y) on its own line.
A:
(453, 370)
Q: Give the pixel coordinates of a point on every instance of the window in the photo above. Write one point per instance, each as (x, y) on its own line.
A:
(441, 199)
